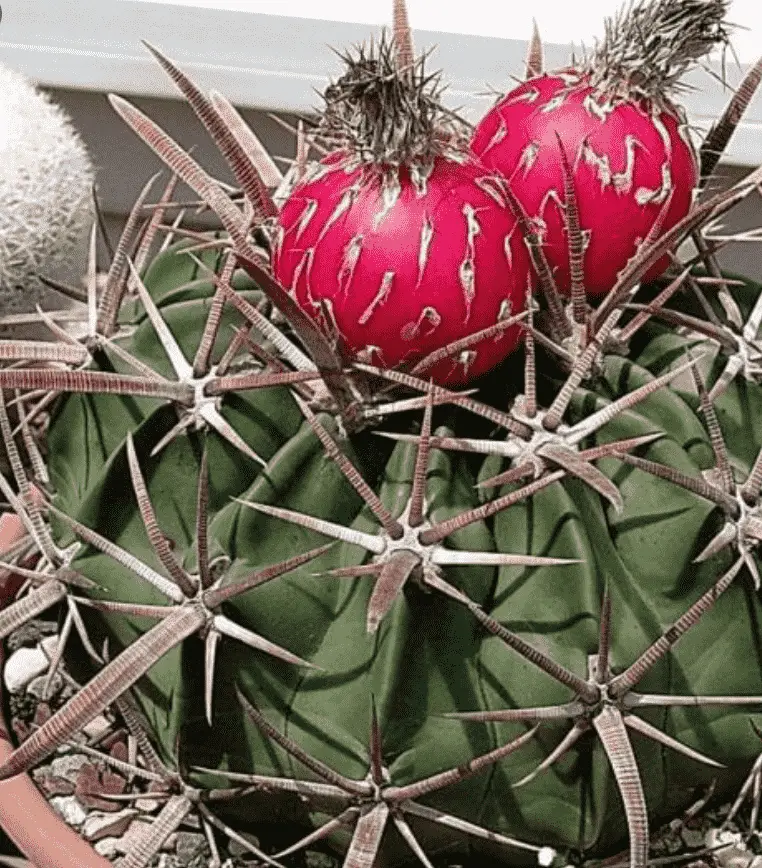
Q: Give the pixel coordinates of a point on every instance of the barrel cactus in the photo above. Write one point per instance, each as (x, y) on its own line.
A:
(519, 619)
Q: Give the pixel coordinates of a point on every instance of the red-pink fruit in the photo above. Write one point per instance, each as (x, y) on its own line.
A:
(627, 143)
(627, 164)
(403, 266)
(400, 242)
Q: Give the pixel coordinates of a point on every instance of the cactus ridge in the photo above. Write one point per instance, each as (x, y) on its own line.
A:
(441, 601)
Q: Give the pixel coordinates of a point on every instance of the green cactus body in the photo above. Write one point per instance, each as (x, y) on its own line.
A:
(429, 657)
(266, 418)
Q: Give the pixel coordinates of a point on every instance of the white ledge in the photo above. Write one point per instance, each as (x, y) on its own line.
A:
(274, 62)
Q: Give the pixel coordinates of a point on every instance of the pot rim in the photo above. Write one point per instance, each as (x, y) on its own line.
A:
(27, 818)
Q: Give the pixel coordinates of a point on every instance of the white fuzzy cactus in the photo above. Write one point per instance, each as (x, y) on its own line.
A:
(45, 199)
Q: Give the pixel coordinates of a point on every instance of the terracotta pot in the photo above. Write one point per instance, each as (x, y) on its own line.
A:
(25, 815)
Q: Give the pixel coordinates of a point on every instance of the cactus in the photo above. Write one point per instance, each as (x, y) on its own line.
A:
(45, 194)
(518, 619)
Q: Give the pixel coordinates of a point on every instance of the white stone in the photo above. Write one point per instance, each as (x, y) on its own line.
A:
(107, 847)
(49, 645)
(36, 686)
(147, 806)
(729, 847)
(68, 766)
(102, 825)
(736, 860)
(69, 809)
(545, 857)
(23, 666)
(723, 838)
(97, 726)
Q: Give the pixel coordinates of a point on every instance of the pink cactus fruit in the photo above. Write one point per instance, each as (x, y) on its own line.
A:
(634, 167)
(402, 264)
(628, 164)
(400, 243)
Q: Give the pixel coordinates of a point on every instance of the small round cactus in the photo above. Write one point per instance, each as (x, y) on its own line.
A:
(46, 178)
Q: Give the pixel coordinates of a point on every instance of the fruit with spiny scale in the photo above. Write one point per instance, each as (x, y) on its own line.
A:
(611, 127)
(542, 597)
(400, 242)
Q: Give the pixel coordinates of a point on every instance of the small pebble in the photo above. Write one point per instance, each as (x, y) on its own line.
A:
(737, 860)
(29, 634)
(68, 766)
(100, 825)
(236, 848)
(545, 857)
(69, 809)
(22, 667)
(692, 838)
(316, 859)
(36, 686)
(723, 837)
(189, 846)
(107, 847)
(97, 727)
(51, 785)
(732, 851)
(147, 806)
(49, 646)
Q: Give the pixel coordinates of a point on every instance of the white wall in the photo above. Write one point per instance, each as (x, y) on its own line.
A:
(267, 55)
(274, 58)
(560, 21)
